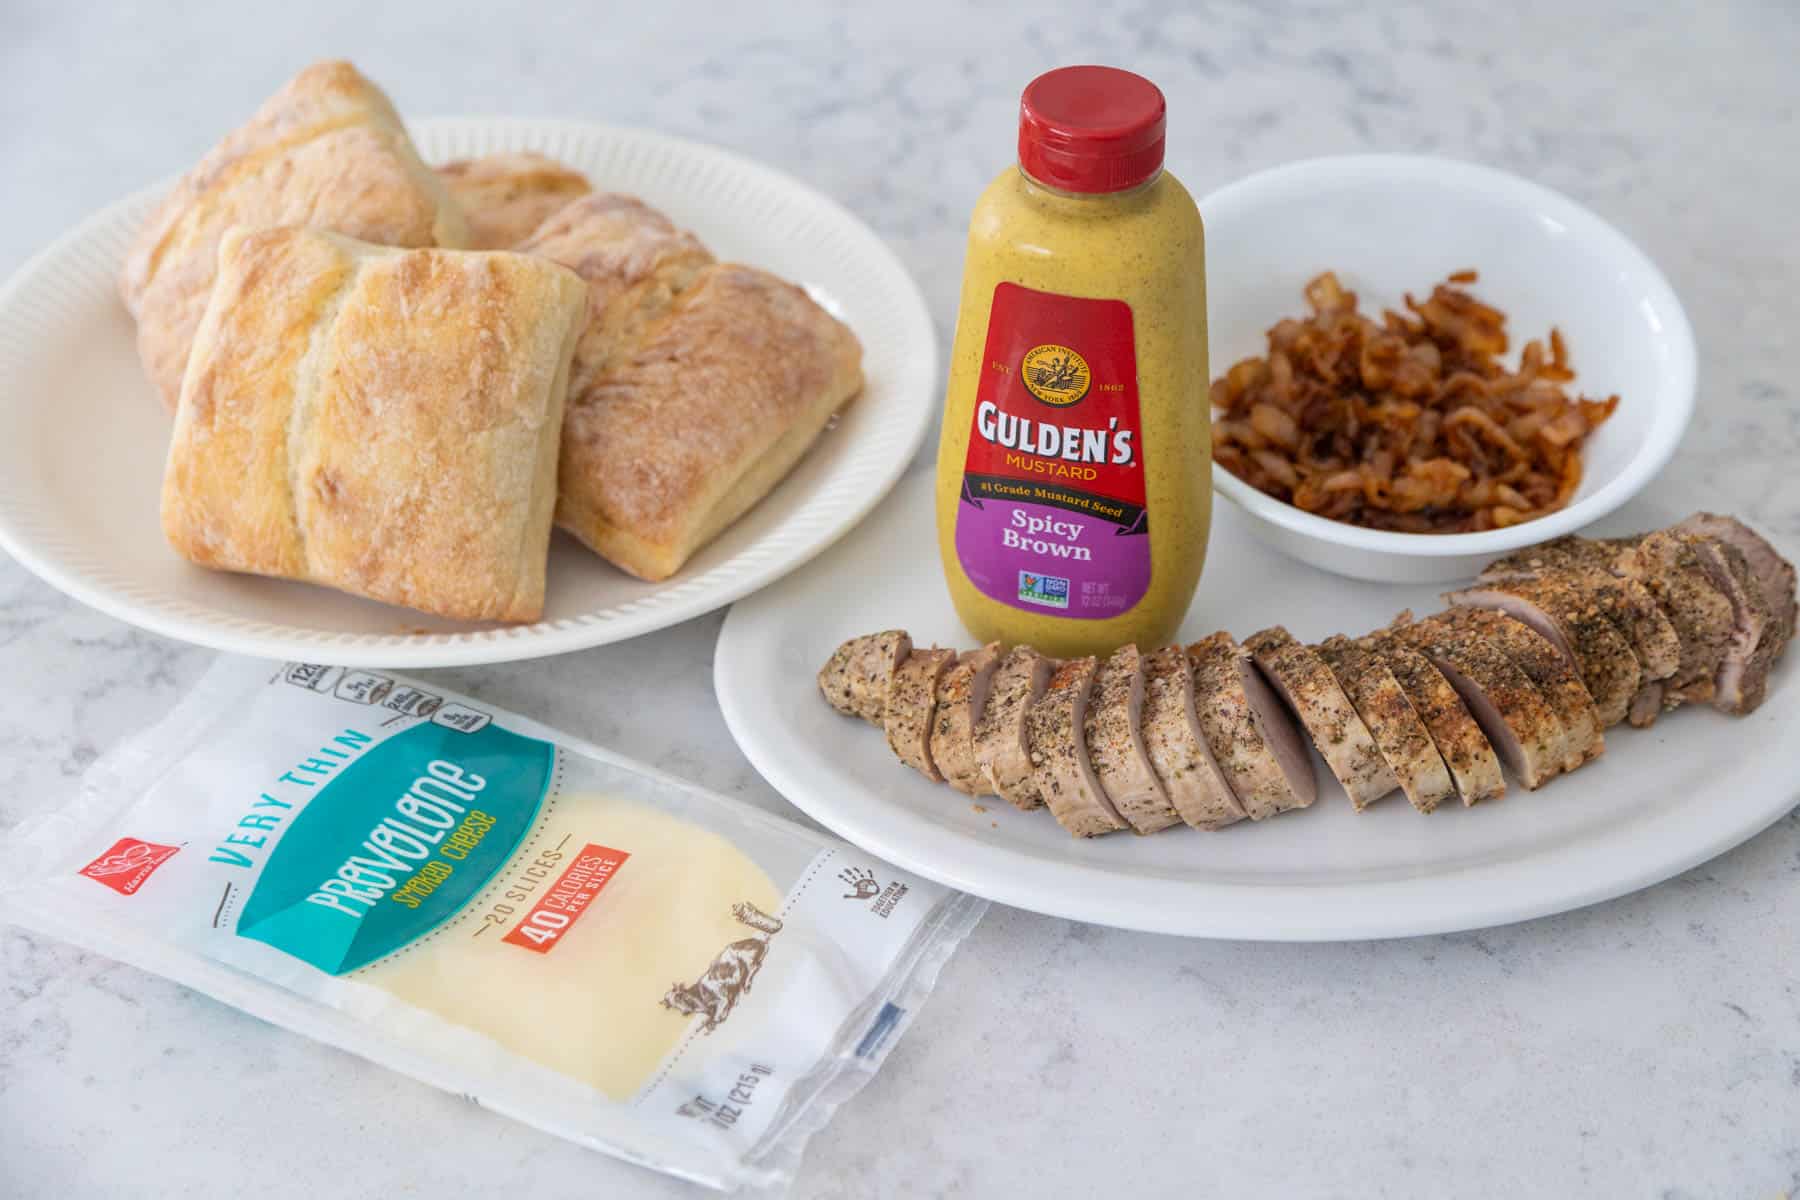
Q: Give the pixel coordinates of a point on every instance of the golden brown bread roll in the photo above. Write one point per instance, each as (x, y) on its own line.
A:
(505, 197)
(326, 151)
(687, 429)
(634, 261)
(696, 388)
(377, 420)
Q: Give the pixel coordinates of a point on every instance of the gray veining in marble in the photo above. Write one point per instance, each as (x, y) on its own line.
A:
(1648, 1046)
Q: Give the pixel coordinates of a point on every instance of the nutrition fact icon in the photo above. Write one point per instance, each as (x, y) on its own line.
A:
(314, 677)
(410, 701)
(461, 718)
(363, 687)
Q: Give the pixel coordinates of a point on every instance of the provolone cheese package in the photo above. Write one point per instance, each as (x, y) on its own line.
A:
(462, 895)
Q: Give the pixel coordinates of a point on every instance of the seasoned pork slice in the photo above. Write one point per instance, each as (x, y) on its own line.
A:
(1115, 744)
(1570, 551)
(1177, 749)
(961, 696)
(1743, 675)
(1002, 741)
(1474, 767)
(910, 701)
(1639, 617)
(1248, 731)
(856, 678)
(1669, 565)
(1519, 723)
(1591, 567)
(1556, 680)
(1577, 627)
(1646, 626)
(1646, 705)
(1392, 720)
(1059, 758)
(1312, 692)
(1774, 574)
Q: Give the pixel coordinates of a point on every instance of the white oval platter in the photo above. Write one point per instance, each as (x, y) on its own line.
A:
(1658, 802)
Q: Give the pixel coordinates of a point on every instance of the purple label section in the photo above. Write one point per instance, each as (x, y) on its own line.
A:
(1049, 560)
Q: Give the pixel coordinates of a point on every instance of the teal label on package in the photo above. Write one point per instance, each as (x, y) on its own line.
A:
(397, 844)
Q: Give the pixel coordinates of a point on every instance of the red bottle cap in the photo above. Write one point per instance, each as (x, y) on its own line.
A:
(1091, 129)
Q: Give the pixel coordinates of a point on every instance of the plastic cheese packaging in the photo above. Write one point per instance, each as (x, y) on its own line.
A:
(580, 942)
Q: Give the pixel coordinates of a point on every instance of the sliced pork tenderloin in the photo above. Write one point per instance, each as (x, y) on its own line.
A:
(1394, 723)
(1063, 773)
(1568, 552)
(911, 699)
(1646, 704)
(1744, 572)
(856, 678)
(1669, 565)
(1115, 744)
(961, 697)
(1639, 617)
(1001, 736)
(1590, 567)
(1774, 574)
(1474, 767)
(1248, 731)
(1743, 676)
(1314, 696)
(1579, 630)
(1519, 723)
(1556, 680)
(1177, 749)
(1645, 625)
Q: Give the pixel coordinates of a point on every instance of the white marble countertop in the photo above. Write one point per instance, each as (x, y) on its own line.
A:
(1646, 1046)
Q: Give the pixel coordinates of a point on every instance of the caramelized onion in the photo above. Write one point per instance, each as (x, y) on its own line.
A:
(1410, 424)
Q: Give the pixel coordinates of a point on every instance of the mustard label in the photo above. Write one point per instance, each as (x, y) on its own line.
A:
(1052, 508)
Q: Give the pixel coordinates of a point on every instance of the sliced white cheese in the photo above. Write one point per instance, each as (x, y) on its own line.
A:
(587, 999)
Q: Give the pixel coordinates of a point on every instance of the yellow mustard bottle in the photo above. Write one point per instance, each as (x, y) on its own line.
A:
(1074, 475)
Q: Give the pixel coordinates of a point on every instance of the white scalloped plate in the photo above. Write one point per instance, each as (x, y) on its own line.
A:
(1659, 801)
(82, 435)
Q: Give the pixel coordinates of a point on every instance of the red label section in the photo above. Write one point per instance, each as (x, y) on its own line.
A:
(567, 898)
(1052, 509)
(125, 867)
(1058, 400)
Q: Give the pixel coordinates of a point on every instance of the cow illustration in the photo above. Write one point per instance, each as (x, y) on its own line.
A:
(712, 996)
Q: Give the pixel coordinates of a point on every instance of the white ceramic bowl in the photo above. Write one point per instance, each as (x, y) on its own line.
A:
(1389, 224)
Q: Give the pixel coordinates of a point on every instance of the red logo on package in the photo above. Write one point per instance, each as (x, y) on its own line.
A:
(567, 898)
(125, 867)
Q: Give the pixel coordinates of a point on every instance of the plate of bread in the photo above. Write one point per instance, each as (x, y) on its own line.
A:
(461, 391)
